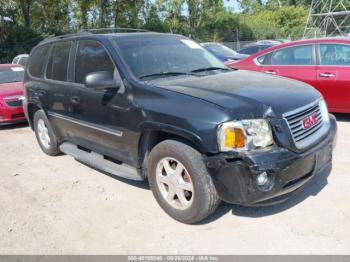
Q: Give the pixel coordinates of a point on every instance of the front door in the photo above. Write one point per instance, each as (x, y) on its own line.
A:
(98, 114)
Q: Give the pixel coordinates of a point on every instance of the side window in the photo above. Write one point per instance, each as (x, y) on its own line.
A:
(91, 57)
(297, 55)
(23, 61)
(15, 61)
(57, 66)
(37, 61)
(265, 59)
(335, 54)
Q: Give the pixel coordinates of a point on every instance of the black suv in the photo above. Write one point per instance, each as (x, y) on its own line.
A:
(160, 107)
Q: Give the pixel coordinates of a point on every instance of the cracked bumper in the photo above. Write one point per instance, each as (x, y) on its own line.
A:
(234, 176)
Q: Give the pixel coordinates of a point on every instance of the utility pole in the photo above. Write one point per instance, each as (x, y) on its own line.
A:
(327, 18)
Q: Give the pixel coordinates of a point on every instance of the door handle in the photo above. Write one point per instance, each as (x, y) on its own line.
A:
(271, 72)
(75, 100)
(328, 75)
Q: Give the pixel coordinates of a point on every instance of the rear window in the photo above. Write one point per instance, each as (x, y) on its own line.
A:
(37, 61)
(58, 62)
(11, 75)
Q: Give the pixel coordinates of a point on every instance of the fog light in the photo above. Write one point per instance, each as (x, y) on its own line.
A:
(265, 181)
(262, 179)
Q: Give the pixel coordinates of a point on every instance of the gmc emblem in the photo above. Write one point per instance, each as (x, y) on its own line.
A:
(310, 121)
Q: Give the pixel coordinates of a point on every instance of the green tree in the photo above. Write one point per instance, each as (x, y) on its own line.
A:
(20, 40)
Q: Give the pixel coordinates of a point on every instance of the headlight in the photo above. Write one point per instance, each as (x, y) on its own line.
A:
(324, 111)
(244, 135)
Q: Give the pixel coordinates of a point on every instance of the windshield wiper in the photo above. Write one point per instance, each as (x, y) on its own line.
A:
(209, 69)
(165, 74)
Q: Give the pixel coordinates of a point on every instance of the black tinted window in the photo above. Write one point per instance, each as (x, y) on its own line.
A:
(37, 61)
(58, 62)
(91, 57)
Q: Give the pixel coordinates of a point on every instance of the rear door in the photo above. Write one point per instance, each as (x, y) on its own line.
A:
(296, 62)
(333, 75)
(56, 87)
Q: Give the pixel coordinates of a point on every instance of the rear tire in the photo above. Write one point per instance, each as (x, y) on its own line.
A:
(180, 182)
(45, 135)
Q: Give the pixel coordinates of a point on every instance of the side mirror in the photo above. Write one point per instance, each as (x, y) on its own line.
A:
(101, 80)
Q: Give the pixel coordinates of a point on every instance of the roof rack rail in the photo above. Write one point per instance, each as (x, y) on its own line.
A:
(114, 30)
(52, 37)
(83, 32)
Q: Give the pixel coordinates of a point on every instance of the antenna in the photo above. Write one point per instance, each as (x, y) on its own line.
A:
(327, 18)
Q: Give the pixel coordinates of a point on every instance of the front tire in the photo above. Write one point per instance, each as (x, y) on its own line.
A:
(180, 182)
(45, 135)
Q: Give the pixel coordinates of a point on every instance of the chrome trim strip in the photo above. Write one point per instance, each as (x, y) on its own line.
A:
(300, 109)
(83, 123)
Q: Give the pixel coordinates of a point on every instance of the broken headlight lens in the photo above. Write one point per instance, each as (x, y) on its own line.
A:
(244, 135)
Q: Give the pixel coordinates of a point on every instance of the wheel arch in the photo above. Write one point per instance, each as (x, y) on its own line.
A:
(32, 109)
(152, 135)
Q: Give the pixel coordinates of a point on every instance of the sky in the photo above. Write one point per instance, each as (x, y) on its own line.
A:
(232, 4)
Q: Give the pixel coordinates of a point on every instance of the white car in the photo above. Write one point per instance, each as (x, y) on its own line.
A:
(20, 60)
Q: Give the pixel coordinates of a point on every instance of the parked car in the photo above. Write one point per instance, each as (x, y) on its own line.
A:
(197, 130)
(11, 94)
(322, 63)
(20, 60)
(223, 53)
(255, 48)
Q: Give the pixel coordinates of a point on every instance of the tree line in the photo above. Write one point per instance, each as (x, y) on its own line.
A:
(23, 23)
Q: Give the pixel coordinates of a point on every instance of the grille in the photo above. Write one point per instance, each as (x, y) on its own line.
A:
(300, 134)
(14, 103)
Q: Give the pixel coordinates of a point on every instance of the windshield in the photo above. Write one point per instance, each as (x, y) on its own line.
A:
(220, 50)
(158, 56)
(11, 75)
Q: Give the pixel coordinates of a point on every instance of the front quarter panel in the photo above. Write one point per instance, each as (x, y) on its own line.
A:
(182, 115)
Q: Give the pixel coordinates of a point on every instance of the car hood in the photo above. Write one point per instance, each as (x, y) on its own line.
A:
(246, 93)
(11, 89)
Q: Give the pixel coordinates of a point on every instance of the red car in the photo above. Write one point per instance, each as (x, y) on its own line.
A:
(11, 94)
(322, 63)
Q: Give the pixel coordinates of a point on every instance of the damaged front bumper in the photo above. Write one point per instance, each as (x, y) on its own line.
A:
(235, 176)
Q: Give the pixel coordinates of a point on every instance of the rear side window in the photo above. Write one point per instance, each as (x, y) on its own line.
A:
(335, 54)
(296, 55)
(265, 59)
(58, 62)
(37, 61)
(91, 57)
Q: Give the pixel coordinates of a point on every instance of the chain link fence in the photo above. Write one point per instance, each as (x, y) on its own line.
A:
(237, 45)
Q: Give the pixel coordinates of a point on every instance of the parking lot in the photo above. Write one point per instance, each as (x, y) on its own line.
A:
(55, 205)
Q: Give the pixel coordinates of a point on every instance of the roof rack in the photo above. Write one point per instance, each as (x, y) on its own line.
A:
(114, 30)
(83, 32)
(52, 37)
